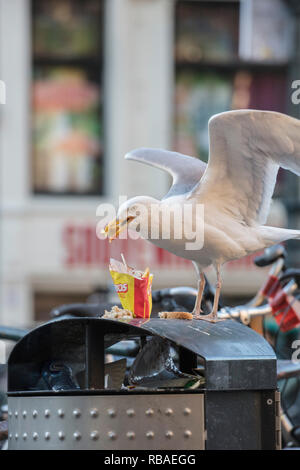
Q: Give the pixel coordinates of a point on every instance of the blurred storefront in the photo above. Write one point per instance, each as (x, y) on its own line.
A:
(86, 81)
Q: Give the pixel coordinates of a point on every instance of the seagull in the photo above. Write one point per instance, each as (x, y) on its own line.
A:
(235, 187)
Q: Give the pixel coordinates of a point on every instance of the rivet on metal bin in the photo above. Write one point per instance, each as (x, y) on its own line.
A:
(187, 411)
(112, 435)
(169, 434)
(111, 412)
(130, 412)
(24, 414)
(61, 413)
(150, 435)
(35, 436)
(77, 436)
(76, 413)
(169, 411)
(187, 433)
(16, 436)
(130, 435)
(94, 412)
(16, 414)
(61, 436)
(149, 412)
(47, 413)
(34, 413)
(94, 435)
(24, 436)
(47, 435)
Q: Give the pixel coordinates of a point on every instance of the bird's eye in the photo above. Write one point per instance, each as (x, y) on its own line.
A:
(133, 211)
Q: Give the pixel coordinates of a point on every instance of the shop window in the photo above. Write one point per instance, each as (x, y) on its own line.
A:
(221, 65)
(67, 97)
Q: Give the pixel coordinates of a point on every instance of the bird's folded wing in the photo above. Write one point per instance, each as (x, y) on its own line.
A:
(246, 149)
(186, 171)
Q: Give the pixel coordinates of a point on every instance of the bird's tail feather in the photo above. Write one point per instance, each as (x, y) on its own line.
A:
(272, 235)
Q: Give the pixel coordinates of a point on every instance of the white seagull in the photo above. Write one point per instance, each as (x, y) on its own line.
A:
(246, 148)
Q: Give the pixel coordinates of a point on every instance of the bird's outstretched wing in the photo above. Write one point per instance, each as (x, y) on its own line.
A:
(186, 171)
(246, 149)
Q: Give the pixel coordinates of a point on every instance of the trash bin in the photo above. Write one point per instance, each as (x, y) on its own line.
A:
(59, 395)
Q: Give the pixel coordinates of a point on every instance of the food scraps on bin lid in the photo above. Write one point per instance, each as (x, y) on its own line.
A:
(176, 315)
(117, 313)
(134, 290)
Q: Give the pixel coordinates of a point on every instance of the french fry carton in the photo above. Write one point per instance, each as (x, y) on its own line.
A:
(133, 288)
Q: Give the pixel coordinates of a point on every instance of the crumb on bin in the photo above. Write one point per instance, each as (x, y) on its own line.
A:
(117, 313)
(176, 315)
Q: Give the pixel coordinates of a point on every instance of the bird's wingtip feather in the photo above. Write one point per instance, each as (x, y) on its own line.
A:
(134, 153)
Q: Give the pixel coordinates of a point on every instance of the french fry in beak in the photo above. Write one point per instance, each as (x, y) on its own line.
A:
(112, 230)
(115, 227)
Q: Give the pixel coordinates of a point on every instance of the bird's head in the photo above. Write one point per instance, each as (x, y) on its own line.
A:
(135, 212)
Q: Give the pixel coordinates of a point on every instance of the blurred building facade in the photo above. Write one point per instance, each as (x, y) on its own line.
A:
(86, 81)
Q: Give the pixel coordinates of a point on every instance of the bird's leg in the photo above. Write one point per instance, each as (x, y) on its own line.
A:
(195, 315)
(201, 285)
(213, 315)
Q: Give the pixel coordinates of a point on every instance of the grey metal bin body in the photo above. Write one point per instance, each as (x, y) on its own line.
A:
(236, 409)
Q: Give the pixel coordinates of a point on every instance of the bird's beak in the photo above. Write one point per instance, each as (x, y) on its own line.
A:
(115, 227)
